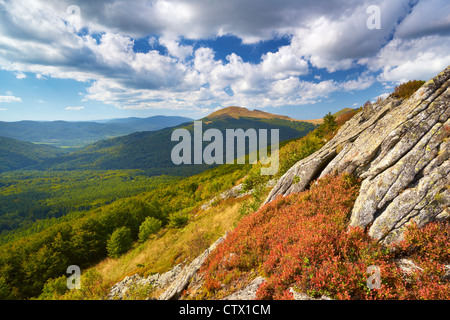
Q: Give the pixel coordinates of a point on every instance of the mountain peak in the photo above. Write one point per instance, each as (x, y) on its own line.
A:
(238, 112)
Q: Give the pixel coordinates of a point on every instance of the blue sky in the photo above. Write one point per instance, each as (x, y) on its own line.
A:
(86, 60)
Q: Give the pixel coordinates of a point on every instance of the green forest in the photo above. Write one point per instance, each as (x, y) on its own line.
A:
(32, 200)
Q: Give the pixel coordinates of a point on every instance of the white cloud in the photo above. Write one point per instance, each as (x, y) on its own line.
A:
(9, 99)
(402, 60)
(75, 108)
(363, 82)
(284, 63)
(174, 47)
(420, 47)
(21, 75)
(337, 43)
(330, 35)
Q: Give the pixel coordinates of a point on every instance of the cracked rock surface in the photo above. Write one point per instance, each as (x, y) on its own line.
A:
(400, 150)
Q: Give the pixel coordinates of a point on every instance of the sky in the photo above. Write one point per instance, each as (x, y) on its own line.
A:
(88, 60)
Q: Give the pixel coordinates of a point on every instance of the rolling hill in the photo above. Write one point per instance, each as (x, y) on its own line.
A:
(151, 150)
(15, 154)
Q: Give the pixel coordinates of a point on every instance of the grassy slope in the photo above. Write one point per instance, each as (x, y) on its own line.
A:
(171, 246)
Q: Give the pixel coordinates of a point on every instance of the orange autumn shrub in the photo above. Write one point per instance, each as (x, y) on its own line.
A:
(407, 89)
(429, 247)
(303, 241)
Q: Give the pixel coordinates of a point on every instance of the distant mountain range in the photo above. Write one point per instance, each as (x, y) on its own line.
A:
(81, 133)
(151, 150)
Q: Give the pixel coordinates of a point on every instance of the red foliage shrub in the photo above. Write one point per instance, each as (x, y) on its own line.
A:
(303, 241)
(407, 89)
(345, 117)
(429, 247)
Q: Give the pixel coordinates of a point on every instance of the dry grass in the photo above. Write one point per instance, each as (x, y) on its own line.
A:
(172, 246)
(313, 121)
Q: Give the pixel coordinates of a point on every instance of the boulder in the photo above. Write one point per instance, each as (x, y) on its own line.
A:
(400, 151)
(181, 282)
(248, 293)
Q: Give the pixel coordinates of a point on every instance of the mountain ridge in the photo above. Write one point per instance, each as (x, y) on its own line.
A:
(238, 112)
(144, 150)
(81, 133)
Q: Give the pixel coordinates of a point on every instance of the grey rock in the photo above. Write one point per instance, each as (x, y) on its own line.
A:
(408, 266)
(447, 273)
(173, 281)
(235, 192)
(157, 281)
(249, 292)
(400, 150)
(182, 280)
(303, 296)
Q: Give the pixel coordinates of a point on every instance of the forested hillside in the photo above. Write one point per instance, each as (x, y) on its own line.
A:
(152, 150)
(32, 200)
(15, 154)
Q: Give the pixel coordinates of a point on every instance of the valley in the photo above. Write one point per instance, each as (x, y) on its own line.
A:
(65, 194)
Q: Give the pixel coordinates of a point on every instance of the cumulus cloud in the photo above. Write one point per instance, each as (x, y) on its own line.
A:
(284, 63)
(21, 75)
(405, 59)
(419, 48)
(39, 37)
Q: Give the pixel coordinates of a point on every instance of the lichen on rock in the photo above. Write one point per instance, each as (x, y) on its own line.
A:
(400, 151)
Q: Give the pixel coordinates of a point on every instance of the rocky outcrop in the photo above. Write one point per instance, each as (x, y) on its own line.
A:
(157, 281)
(235, 192)
(249, 292)
(173, 282)
(183, 279)
(400, 150)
